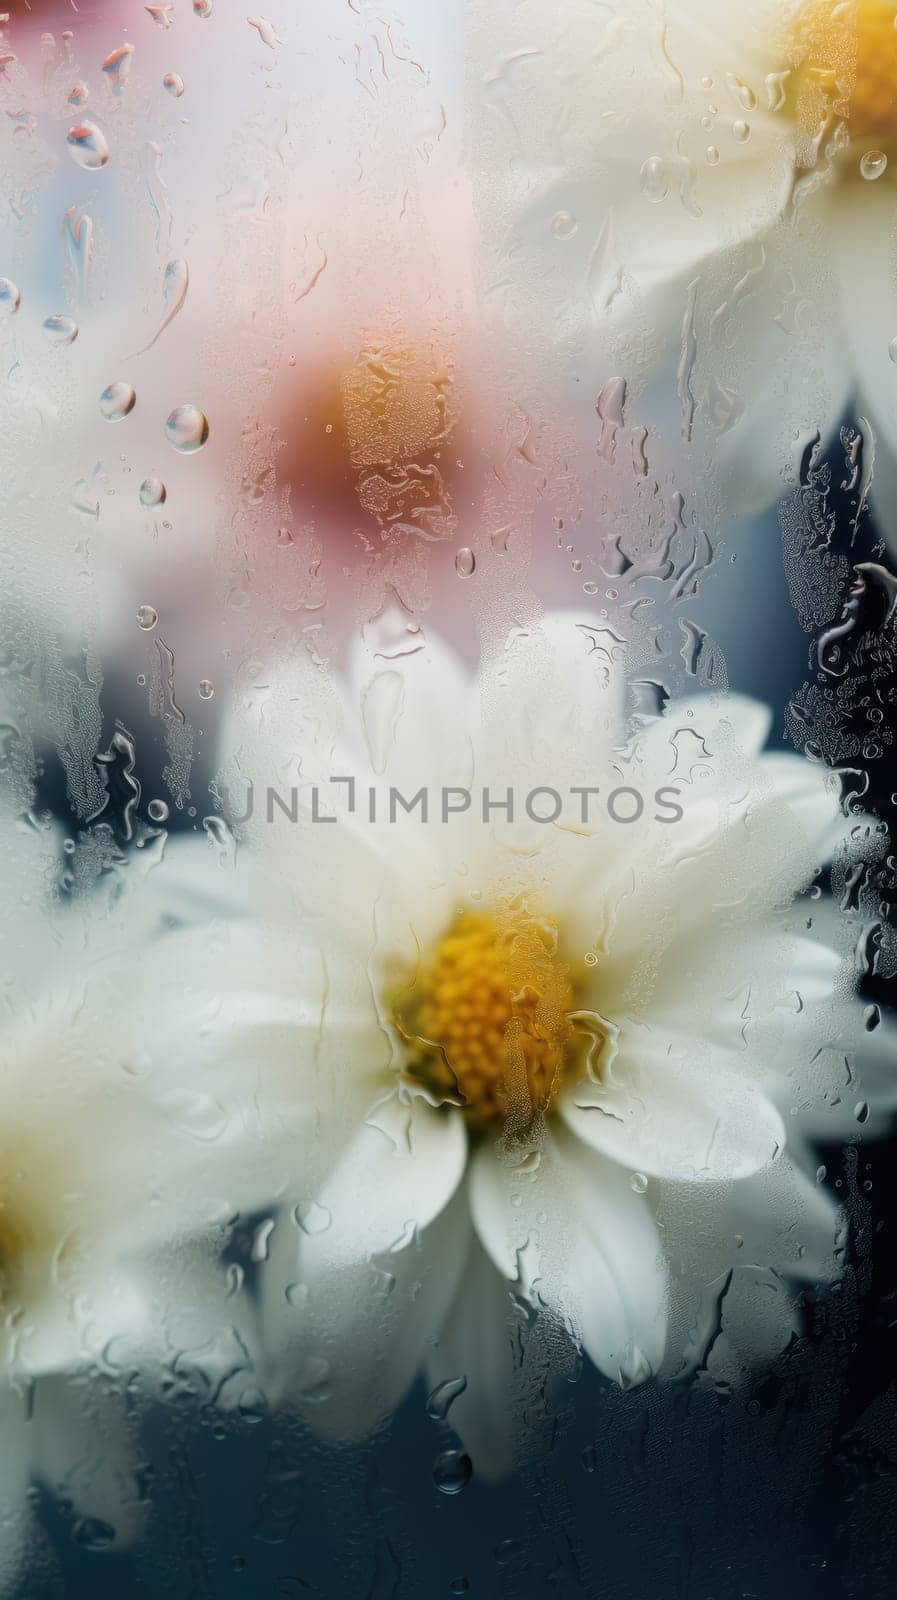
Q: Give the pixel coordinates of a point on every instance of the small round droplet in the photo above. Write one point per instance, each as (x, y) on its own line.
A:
(638, 1182)
(147, 617)
(873, 164)
(60, 329)
(452, 1471)
(206, 688)
(712, 155)
(153, 492)
(187, 429)
(88, 145)
(117, 401)
(10, 298)
(741, 131)
(563, 224)
(465, 562)
(78, 94)
(203, 8)
(174, 83)
(158, 811)
(654, 180)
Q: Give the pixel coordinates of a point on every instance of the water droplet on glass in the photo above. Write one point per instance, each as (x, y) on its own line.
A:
(465, 562)
(440, 1399)
(187, 429)
(88, 145)
(117, 401)
(742, 131)
(78, 94)
(10, 298)
(147, 617)
(459, 1586)
(202, 8)
(206, 689)
(153, 492)
(712, 155)
(174, 83)
(638, 1182)
(92, 1534)
(60, 329)
(873, 164)
(117, 66)
(452, 1471)
(563, 224)
(861, 1111)
(654, 180)
(892, 351)
(820, 1174)
(312, 1218)
(158, 811)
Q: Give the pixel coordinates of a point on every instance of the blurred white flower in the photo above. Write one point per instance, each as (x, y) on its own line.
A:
(732, 168)
(488, 1051)
(114, 1168)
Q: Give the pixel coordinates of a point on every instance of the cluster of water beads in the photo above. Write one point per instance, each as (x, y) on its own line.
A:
(186, 428)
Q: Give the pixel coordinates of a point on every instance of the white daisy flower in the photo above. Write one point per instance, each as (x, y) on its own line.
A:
(115, 1180)
(731, 171)
(492, 1050)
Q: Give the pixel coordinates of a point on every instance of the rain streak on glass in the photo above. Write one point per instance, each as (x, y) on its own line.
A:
(187, 428)
(88, 145)
(117, 401)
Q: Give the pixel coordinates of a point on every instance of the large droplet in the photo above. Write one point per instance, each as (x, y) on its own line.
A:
(452, 1471)
(158, 810)
(465, 562)
(147, 617)
(88, 145)
(655, 180)
(206, 688)
(60, 329)
(202, 8)
(174, 83)
(187, 429)
(153, 492)
(10, 298)
(117, 401)
(873, 164)
(117, 65)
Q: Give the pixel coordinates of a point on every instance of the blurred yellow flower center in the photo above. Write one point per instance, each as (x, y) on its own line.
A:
(849, 63)
(486, 1020)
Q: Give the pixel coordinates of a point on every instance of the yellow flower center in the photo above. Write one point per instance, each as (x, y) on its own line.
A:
(486, 1020)
(848, 66)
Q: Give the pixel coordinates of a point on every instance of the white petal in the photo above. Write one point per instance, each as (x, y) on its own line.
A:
(356, 1335)
(387, 1185)
(669, 1118)
(588, 1243)
(479, 1343)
